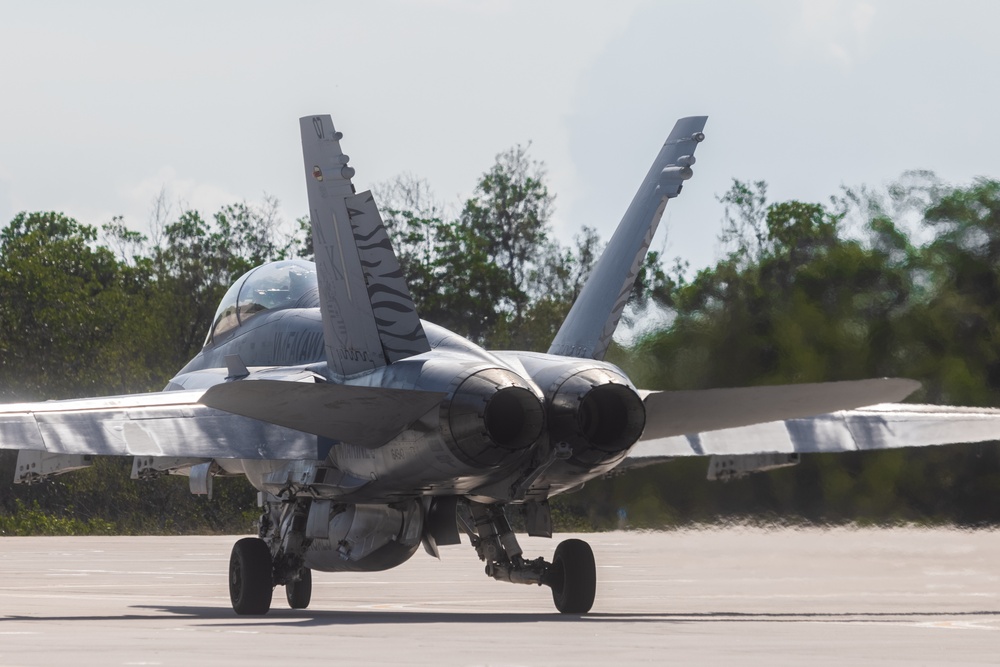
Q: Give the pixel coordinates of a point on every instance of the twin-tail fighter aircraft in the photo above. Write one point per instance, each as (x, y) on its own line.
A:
(369, 432)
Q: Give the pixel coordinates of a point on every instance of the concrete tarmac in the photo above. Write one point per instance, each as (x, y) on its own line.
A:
(708, 597)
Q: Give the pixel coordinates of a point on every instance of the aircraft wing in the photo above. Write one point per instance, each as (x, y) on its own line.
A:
(205, 424)
(884, 426)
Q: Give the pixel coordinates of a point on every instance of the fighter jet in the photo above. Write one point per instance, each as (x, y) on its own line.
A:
(368, 431)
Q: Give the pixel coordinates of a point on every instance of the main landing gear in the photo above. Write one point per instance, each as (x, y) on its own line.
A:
(252, 578)
(572, 574)
(299, 593)
(254, 570)
(258, 564)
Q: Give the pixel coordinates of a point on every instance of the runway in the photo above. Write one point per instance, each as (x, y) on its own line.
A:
(707, 597)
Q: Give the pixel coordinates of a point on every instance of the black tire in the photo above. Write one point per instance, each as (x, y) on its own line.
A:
(250, 577)
(299, 593)
(573, 577)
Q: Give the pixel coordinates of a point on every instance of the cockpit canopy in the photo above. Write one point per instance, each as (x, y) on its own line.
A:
(275, 286)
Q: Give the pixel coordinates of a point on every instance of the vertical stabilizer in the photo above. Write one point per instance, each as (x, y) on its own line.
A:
(587, 330)
(368, 316)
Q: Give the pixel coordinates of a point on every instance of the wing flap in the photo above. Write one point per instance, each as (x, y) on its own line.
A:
(674, 413)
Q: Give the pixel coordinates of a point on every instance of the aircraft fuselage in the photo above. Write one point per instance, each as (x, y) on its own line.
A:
(490, 432)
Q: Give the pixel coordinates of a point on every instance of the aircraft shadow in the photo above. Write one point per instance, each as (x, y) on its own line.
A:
(314, 618)
(311, 618)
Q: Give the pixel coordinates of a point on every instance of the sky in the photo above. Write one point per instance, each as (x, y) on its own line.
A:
(104, 104)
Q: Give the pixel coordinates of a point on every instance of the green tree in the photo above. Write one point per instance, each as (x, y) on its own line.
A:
(415, 223)
(65, 311)
(554, 281)
(490, 274)
(508, 217)
(955, 327)
(801, 303)
(194, 261)
(80, 319)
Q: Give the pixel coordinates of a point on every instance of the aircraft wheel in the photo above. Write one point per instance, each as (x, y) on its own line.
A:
(299, 593)
(573, 577)
(250, 577)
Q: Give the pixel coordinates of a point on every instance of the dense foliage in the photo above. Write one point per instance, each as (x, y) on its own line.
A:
(811, 293)
(88, 313)
(805, 292)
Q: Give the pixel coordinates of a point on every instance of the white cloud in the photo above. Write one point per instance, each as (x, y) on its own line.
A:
(138, 200)
(837, 30)
(862, 16)
(806, 95)
(191, 193)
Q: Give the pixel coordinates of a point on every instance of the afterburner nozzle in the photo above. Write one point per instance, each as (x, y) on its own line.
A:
(492, 417)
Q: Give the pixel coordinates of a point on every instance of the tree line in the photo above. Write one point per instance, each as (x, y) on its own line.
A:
(812, 292)
(804, 292)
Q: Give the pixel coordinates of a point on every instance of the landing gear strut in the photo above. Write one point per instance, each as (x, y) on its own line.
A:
(572, 574)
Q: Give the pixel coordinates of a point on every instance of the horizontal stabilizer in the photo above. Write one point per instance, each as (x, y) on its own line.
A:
(363, 416)
(886, 426)
(671, 413)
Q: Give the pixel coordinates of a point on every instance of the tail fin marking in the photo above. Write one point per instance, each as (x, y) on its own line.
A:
(396, 318)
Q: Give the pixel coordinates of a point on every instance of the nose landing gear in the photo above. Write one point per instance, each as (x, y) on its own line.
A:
(573, 577)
